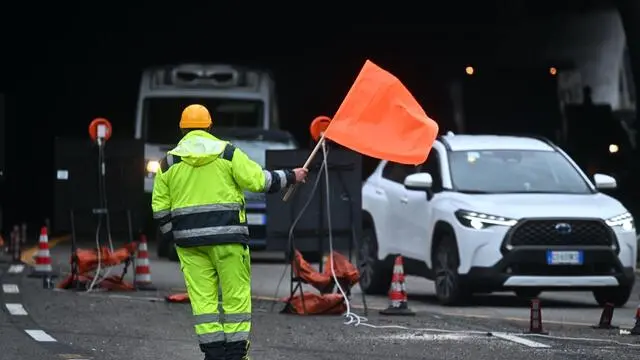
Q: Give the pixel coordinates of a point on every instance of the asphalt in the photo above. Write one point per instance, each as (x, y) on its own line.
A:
(577, 308)
(140, 325)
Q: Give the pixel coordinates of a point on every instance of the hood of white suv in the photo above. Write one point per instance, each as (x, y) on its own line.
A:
(516, 206)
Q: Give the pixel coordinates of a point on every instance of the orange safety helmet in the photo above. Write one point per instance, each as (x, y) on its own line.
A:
(195, 116)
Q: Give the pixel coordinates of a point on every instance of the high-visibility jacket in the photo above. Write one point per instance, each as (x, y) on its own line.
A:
(198, 192)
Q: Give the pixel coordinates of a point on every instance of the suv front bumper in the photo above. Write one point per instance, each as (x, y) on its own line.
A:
(527, 267)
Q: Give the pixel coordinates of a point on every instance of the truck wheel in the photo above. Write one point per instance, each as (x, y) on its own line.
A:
(448, 286)
(375, 275)
(617, 296)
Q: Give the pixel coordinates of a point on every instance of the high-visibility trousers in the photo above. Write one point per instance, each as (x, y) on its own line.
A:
(204, 269)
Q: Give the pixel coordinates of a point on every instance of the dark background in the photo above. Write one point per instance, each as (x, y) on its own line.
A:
(64, 64)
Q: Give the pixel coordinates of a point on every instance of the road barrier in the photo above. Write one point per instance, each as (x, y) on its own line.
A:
(605, 318)
(636, 328)
(535, 318)
(15, 247)
(89, 265)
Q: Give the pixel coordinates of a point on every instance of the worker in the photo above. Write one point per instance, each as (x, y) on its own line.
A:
(198, 200)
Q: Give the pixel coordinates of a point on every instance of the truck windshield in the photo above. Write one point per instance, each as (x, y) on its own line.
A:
(161, 115)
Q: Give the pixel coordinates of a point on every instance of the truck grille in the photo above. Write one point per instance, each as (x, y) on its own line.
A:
(561, 232)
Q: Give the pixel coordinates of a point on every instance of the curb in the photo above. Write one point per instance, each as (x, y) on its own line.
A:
(28, 255)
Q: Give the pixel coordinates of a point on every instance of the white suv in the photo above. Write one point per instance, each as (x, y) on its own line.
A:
(493, 213)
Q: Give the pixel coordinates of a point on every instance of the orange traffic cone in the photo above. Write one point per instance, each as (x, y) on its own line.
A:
(142, 279)
(397, 293)
(43, 266)
(636, 327)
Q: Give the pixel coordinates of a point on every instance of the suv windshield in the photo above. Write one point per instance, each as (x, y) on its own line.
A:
(161, 115)
(515, 171)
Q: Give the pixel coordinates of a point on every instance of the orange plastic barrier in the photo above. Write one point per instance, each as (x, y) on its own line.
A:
(308, 274)
(316, 304)
(88, 259)
(87, 262)
(178, 298)
(308, 303)
(346, 272)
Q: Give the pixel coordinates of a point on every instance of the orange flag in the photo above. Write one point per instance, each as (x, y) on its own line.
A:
(380, 118)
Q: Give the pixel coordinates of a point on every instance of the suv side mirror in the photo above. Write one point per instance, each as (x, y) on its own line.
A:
(420, 181)
(603, 181)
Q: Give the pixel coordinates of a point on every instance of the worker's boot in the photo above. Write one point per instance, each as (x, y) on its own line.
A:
(214, 350)
(238, 350)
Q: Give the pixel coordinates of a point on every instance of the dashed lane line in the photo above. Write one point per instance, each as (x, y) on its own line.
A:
(16, 309)
(41, 336)
(519, 340)
(10, 289)
(16, 269)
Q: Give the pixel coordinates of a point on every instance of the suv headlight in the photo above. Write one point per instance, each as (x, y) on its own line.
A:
(152, 167)
(624, 221)
(479, 221)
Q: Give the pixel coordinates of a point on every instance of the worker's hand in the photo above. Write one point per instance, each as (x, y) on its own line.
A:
(301, 174)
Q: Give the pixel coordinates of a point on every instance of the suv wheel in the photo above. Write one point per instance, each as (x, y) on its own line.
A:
(375, 275)
(617, 296)
(445, 266)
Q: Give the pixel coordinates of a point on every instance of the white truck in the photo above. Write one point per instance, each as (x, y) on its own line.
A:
(244, 108)
(491, 213)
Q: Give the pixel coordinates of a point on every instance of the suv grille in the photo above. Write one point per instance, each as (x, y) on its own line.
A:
(556, 232)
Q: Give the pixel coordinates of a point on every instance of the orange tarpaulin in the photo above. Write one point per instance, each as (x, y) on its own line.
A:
(380, 118)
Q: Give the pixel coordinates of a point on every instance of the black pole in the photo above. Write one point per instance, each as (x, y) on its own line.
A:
(321, 212)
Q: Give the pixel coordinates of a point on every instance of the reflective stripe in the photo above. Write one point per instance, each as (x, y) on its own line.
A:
(160, 214)
(166, 228)
(211, 337)
(236, 318)
(274, 181)
(267, 179)
(283, 178)
(207, 318)
(214, 230)
(238, 336)
(206, 208)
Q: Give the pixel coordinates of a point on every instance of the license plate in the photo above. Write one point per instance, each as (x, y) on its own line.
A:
(565, 257)
(256, 219)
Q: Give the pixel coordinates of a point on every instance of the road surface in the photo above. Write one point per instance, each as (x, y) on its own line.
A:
(39, 323)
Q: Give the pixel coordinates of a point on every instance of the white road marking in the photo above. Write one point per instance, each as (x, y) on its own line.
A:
(16, 309)
(432, 337)
(10, 289)
(39, 335)
(519, 340)
(16, 269)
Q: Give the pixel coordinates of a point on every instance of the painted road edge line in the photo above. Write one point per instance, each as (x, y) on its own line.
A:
(16, 269)
(39, 335)
(10, 289)
(16, 309)
(519, 340)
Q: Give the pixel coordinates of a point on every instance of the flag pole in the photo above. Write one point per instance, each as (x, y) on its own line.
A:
(306, 165)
